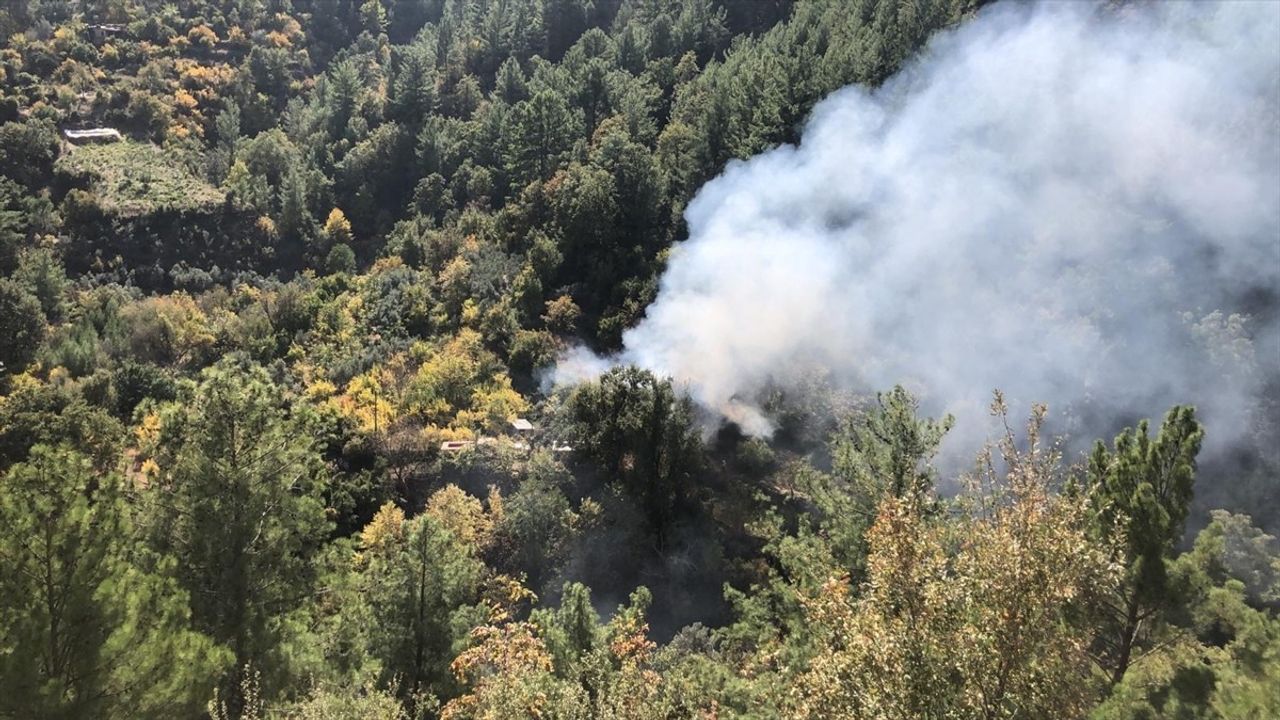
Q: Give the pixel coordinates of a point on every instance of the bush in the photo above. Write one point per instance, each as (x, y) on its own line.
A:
(341, 259)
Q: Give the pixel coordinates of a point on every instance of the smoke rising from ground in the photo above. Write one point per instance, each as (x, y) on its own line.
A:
(1066, 202)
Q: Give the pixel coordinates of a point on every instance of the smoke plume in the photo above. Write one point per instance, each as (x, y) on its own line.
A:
(1076, 204)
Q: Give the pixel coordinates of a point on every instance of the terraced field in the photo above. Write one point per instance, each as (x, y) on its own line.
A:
(131, 179)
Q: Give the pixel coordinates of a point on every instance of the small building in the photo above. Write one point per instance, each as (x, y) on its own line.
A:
(92, 135)
(456, 445)
(521, 425)
(99, 34)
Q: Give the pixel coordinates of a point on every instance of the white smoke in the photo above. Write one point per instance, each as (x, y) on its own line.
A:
(1054, 201)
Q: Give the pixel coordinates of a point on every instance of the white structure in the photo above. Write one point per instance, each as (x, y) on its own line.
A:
(93, 135)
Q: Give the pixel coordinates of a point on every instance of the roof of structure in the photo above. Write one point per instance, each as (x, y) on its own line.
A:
(92, 134)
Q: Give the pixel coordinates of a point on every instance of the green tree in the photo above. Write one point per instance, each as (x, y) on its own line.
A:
(510, 85)
(269, 70)
(493, 37)
(297, 224)
(374, 176)
(226, 134)
(572, 631)
(42, 274)
(135, 381)
(1142, 488)
(887, 451)
(564, 21)
(537, 136)
(586, 210)
(413, 92)
(528, 32)
(11, 239)
(343, 90)
(882, 453)
(418, 580)
(1232, 547)
(269, 155)
(373, 17)
(637, 182)
(246, 188)
(536, 527)
(593, 96)
(149, 115)
(21, 325)
(236, 501)
(631, 50)
(640, 432)
(677, 155)
(27, 151)
(700, 27)
(341, 259)
(1223, 659)
(45, 414)
(87, 632)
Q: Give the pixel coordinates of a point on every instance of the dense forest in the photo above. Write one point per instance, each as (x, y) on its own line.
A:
(277, 438)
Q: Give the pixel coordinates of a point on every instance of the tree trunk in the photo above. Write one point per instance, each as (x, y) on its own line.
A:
(1126, 641)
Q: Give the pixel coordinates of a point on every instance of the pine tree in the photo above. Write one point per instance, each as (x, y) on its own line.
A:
(1142, 489)
(510, 85)
(413, 93)
(881, 454)
(639, 429)
(886, 452)
(537, 136)
(236, 502)
(21, 326)
(296, 222)
(415, 580)
(87, 631)
(564, 21)
(343, 97)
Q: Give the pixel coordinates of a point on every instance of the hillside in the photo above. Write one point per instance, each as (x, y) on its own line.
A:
(479, 359)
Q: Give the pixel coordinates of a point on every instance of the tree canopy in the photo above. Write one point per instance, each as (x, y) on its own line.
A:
(278, 436)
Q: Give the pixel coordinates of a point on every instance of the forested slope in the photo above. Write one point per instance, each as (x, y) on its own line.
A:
(261, 360)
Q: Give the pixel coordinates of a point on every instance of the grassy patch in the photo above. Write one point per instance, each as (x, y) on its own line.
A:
(131, 178)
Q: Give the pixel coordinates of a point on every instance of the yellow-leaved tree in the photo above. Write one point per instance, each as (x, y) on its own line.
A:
(460, 386)
(978, 615)
(463, 515)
